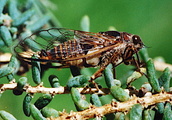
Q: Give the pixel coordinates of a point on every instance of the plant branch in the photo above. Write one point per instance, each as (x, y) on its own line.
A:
(59, 90)
(93, 111)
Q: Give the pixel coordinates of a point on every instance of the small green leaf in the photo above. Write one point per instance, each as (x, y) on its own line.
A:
(6, 35)
(13, 11)
(36, 71)
(136, 112)
(144, 54)
(152, 76)
(6, 116)
(146, 115)
(4, 71)
(26, 105)
(14, 64)
(23, 17)
(82, 104)
(31, 44)
(85, 23)
(43, 101)
(78, 81)
(79, 102)
(54, 81)
(106, 99)
(109, 78)
(135, 75)
(13, 30)
(36, 114)
(3, 3)
(164, 79)
(119, 116)
(119, 93)
(147, 87)
(39, 23)
(167, 112)
(160, 107)
(76, 96)
(2, 44)
(49, 112)
(95, 100)
(21, 83)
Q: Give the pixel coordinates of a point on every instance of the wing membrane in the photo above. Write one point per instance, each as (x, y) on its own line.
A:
(46, 40)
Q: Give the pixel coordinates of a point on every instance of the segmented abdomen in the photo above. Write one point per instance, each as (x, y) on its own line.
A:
(66, 50)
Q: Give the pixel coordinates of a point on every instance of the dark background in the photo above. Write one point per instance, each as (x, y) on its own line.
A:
(151, 20)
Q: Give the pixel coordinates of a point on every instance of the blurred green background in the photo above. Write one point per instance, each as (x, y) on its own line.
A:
(151, 20)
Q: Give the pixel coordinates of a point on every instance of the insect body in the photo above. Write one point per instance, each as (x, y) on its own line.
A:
(78, 48)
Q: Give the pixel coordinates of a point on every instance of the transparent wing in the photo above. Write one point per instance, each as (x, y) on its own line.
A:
(46, 40)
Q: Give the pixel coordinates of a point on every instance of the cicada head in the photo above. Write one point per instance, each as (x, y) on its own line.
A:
(133, 41)
(133, 44)
(137, 42)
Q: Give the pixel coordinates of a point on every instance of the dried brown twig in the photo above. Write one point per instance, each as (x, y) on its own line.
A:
(116, 107)
(93, 110)
(59, 90)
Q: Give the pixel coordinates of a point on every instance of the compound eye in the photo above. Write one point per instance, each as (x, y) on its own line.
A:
(136, 39)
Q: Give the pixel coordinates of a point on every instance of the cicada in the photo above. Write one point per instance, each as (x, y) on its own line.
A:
(79, 48)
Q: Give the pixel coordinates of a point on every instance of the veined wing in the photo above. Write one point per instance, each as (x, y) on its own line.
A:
(46, 40)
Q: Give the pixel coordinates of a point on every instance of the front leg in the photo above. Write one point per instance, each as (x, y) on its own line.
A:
(104, 62)
(97, 74)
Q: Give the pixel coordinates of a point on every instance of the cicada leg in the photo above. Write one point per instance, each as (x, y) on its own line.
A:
(138, 65)
(75, 70)
(105, 61)
(96, 75)
(114, 71)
